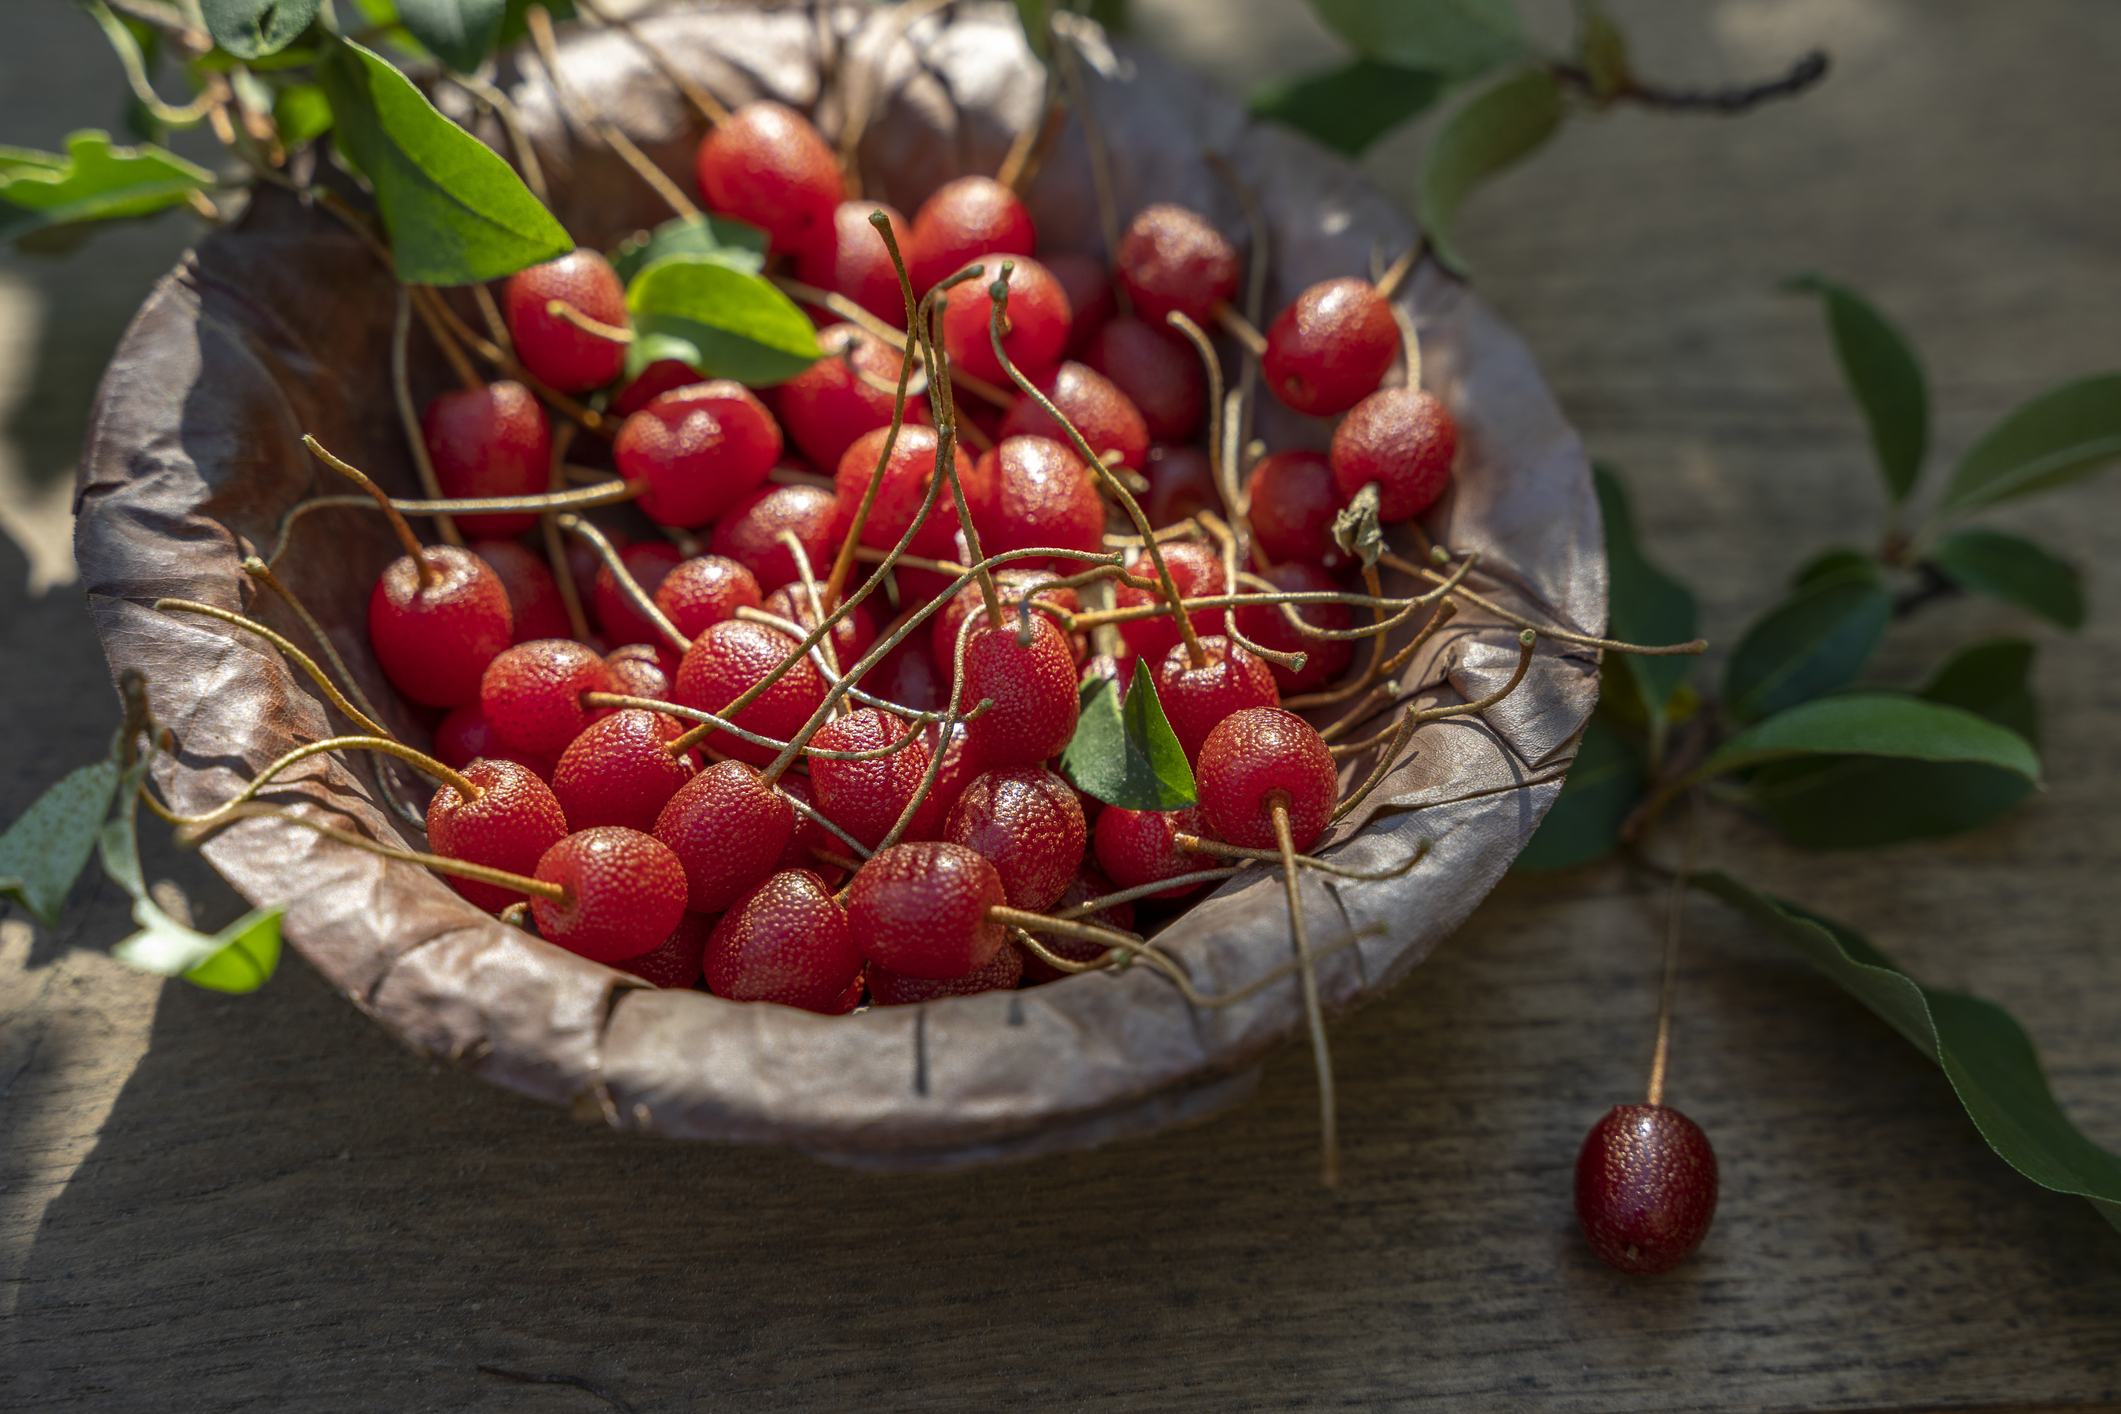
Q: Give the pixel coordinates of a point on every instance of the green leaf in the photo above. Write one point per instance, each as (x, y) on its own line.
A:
(239, 958)
(1981, 1048)
(252, 29)
(1605, 55)
(1584, 823)
(1126, 754)
(1496, 129)
(1992, 679)
(301, 114)
(1034, 14)
(1457, 38)
(457, 214)
(45, 850)
(1874, 724)
(2014, 570)
(740, 326)
(731, 241)
(1351, 107)
(2058, 437)
(92, 181)
(1886, 378)
(461, 33)
(1647, 605)
(1812, 643)
(1839, 563)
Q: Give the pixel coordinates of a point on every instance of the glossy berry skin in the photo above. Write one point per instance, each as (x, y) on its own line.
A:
(532, 694)
(865, 798)
(1135, 847)
(906, 478)
(465, 736)
(1026, 822)
(825, 407)
(1087, 884)
(852, 636)
(1001, 974)
(1096, 407)
(1645, 1188)
(705, 590)
(534, 603)
(1325, 659)
(854, 261)
(1256, 757)
(767, 165)
(1033, 689)
(658, 378)
(1180, 483)
(490, 441)
(1157, 369)
(642, 670)
(1197, 700)
(564, 355)
(1197, 571)
(1330, 347)
(723, 664)
(1402, 439)
(648, 561)
(625, 892)
(1089, 291)
(1034, 328)
(1010, 587)
(1044, 498)
(921, 909)
(434, 642)
(674, 964)
(728, 829)
(785, 941)
(510, 826)
(749, 533)
(967, 220)
(700, 449)
(1294, 502)
(619, 771)
(1172, 259)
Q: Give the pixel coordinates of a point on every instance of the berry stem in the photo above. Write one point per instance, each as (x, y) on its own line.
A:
(588, 418)
(945, 410)
(410, 541)
(257, 569)
(1237, 416)
(942, 736)
(555, 541)
(1612, 645)
(440, 863)
(1675, 915)
(610, 333)
(1227, 540)
(623, 577)
(817, 817)
(705, 103)
(1221, 467)
(527, 165)
(1314, 1011)
(606, 491)
(1028, 149)
(490, 311)
(1200, 844)
(409, 417)
(1239, 328)
(300, 754)
(1067, 928)
(297, 656)
(1141, 891)
(1397, 272)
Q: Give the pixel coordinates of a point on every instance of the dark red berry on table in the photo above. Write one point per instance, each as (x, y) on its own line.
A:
(1087, 884)
(1645, 1188)
(1033, 690)
(1001, 974)
(705, 590)
(1403, 440)
(534, 603)
(658, 378)
(749, 532)
(728, 829)
(1089, 291)
(1260, 756)
(490, 441)
(1034, 329)
(625, 892)
(855, 262)
(727, 661)
(1198, 572)
(1157, 369)
(1330, 347)
(921, 909)
(510, 826)
(1294, 501)
(563, 354)
(852, 636)
(785, 941)
(434, 641)
(906, 478)
(807, 836)
(826, 406)
(1011, 584)
(619, 771)
(464, 736)
(1324, 658)
(1135, 847)
(700, 449)
(1196, 700)
(1180, 482)
(648, 561)
(642, 669)
(1172, 259)
(765, 164)
(1096, 408)
(1044, 498)
(532, 694)
(965, 221)
(865, 798)
(1026, 822)
(675, 964)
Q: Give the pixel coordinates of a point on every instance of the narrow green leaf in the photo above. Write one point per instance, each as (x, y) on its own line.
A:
(1815, 641)
(301, 114)
(2012, 569)
(1981, 1048)
(1352, 106)
(1647, 605)
(1839, 563)
(1584, 823)
(45, 850)
(2058, 437)
(1874, 724)
(1496, 129)
(252, 29)
(1126, 754)
(740, 325)
(457, 214)
(91, 181)
(1886, 378)
(461, 33)
(731, 241)
(1458, 38)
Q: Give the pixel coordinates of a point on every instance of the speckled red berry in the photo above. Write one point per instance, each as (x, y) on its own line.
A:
(674, 964)
(562, 353)
(1026, 822)
(1135, 847)
(767, 165)
(1172, 259)
(489, 441)
(510, 826)
(1093, 404)
(749, 532)
(1001, 974)
(1329, 348)
(727, 828)
(1197, 700)
(921, 909)
(964, 220)
(700, 449)
(534, 603)
(1645, 1188)
(620, 771)
(1260, 757)
(704, 591)
(1033, 689)
(435, 640)
(785, 941)
(532, 694)
(1403, 440)
(727, 661)
(624, 893)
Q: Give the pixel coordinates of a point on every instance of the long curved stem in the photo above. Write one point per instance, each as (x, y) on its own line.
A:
(1314, 1009)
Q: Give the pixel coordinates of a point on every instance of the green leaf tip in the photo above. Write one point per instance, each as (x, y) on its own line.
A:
(1886, 377)
(1887, 724)
(1126, 754)
(736, 322)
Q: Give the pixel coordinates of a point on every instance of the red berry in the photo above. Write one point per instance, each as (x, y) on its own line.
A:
(658, 378)
(534, 603)
(1330, 348)
(490, 441)
(1324, 658)
(1198, 573)
(1645, 1188)
(921, 909)
(1044, 498)
(675, 964)
(705, 590)
(866, 798)
(1402, 439)
(1034, 329)
(1196, 700)
(767, 165)
(1033, 689)
(1087, 884)
(909, 677)
(906, 478)
(1026, 822)
(642, 670)
(620, 771)
(510, 826)
(1256, 757)
(1294, 502)
(1001, 974)
(1157, 369)
(465, 736)
(852, 636)
(1135, 847)
(700, 449)
(625, 892)
(1096, 407)
(785, 941)
(1089, 291)
(563, 354)
(647, 561)
(1180, 483)
(826, 406)
(749, 533)
(967, 220)
(854, 262)
(533, 694)
(1172, 259)
(1011, 584)
(728, 828)
(725, 662)
(433, 642)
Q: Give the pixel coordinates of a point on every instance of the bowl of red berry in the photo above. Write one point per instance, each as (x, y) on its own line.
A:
(918, 690)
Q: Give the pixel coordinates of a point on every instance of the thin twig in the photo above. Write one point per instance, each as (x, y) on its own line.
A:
(409, 417)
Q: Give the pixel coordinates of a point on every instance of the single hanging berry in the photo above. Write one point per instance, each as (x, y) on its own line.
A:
(1645, 1188)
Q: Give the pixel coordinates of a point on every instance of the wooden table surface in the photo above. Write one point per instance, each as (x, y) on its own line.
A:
(263, 1202)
